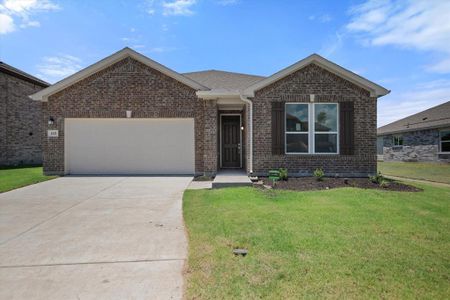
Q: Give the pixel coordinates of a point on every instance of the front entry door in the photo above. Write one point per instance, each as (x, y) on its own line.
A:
(231, 141)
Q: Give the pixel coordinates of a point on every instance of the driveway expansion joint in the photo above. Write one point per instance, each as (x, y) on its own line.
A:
(60, 213)
(92, 263)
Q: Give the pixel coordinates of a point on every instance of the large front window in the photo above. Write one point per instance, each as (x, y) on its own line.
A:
(311, 128)
(445, 141)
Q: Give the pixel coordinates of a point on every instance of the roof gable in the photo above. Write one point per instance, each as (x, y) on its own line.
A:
(374, 89)
(10, 70)
(108, 61)
(435, 117)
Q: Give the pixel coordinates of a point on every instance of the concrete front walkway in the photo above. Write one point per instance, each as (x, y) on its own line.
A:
(230, 178)
(93, 238)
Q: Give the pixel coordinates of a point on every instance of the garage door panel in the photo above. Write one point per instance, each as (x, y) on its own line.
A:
(130, 146)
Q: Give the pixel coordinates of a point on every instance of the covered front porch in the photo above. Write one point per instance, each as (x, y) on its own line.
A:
(226, 125)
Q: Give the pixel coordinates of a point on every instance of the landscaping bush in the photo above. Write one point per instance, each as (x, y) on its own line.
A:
(319, 174)
(378, 178)
(384, 183)
(283, 174)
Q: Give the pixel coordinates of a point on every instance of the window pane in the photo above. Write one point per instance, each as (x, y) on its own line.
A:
(445, 135)
(326, 143)
(445, 147)
(325, 117)
(297, 143)
(297, 117)
(398, 140)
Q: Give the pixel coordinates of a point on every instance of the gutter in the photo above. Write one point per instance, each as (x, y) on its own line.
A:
(250, 131)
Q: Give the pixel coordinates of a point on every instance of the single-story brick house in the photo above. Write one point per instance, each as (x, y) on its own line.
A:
(128, 114)
(20, 117)
(424, 136)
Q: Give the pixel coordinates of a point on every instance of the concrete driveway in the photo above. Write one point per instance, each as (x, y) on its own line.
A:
(93, 238)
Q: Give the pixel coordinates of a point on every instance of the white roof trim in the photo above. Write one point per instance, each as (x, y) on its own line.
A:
(108, 61)
(375, 89)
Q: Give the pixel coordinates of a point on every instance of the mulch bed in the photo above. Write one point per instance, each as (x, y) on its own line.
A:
(311, 183)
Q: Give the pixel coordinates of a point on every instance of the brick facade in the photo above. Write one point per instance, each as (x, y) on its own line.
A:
(20, 122)
(328, 87)
(131, 85)
(420, 145)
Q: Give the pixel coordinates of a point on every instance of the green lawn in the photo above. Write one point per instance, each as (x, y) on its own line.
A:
(13, 178)
(342, 243)
(426, 171)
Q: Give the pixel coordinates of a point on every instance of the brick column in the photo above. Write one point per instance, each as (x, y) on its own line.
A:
(210, 137)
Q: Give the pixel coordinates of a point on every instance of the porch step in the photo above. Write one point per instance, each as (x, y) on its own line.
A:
(230, 178)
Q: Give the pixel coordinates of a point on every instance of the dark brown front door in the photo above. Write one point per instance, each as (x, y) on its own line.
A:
(231, 142)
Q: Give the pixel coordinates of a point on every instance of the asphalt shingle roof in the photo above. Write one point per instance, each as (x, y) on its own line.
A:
(222, 80)
(21, 74)
(435, 117)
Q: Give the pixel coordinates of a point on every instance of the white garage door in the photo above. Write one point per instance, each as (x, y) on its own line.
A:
(129, 146)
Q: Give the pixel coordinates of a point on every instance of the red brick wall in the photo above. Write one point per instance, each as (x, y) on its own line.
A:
(129, 85)
(328, 88)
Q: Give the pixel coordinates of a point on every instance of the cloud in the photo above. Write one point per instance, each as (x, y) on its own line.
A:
(422, 96)
(54, 68)
(30, 24)
(325, 18)
(6, 24)
(161, 49)
(172, 7)
(227, 2)
(421, 25)
(178, 8)
(21, 11)
(149, 6)
(332, 44)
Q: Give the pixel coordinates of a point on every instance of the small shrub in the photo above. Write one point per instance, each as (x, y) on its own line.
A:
(384, 183)
(378, 178)
(283, 174)
(319, 174)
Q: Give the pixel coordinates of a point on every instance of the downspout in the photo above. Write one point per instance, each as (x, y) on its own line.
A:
(250, 131)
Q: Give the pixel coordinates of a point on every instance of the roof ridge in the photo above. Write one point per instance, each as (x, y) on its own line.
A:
(222, 71)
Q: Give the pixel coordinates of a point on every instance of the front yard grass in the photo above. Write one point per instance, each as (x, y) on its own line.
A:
(342, 243)
(426, 171)
(16, 177)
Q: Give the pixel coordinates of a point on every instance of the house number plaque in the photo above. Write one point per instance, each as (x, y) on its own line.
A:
(52, 133)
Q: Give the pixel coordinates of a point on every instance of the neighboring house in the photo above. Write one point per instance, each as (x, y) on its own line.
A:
(20, 117)
(424, 136)
(128, 114)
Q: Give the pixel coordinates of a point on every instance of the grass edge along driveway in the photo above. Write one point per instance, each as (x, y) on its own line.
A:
(16, 177)
(342, 243)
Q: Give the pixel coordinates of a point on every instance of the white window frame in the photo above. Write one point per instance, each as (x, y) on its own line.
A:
(311, 130)
(297, 132)
(440, 142)
(398, 136)
(325, 132)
